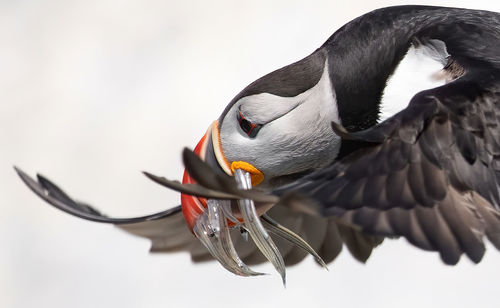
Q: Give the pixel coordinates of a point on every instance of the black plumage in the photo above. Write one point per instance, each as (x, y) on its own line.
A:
(443, 178)
(430, 173)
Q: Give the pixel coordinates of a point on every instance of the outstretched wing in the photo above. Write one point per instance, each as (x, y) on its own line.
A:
(56, 197)
(168, 230)
(430, 173)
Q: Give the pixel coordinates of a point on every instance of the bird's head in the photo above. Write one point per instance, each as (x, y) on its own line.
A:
(277, 128)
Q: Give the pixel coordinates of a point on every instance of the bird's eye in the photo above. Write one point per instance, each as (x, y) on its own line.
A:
(251, 129)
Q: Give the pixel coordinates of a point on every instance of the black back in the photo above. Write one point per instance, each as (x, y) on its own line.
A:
(430, 173)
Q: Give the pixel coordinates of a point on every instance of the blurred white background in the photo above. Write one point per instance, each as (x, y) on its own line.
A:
(92, 92)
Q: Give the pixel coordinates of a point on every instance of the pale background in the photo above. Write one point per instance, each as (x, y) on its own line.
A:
(92, 92)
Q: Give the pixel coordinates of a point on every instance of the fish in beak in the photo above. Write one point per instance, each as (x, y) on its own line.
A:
(210, 220)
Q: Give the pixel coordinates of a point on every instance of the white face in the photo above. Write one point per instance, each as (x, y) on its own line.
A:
(296, 134)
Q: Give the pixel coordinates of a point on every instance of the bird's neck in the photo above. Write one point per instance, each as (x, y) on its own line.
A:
(364, 53)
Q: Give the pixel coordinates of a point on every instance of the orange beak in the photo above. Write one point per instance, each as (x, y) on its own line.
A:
(208, 149)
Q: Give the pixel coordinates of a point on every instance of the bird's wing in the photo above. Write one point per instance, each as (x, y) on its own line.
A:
(430, 173)
(168, 230)
(55, 196)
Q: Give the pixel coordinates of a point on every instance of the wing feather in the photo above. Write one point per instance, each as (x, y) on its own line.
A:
(430, 173)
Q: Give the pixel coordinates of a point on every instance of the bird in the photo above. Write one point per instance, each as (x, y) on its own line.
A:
(321, 154)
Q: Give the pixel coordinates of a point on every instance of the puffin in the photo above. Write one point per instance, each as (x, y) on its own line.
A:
(331, 151)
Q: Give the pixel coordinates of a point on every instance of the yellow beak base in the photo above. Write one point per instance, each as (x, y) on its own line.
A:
(255, 174)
